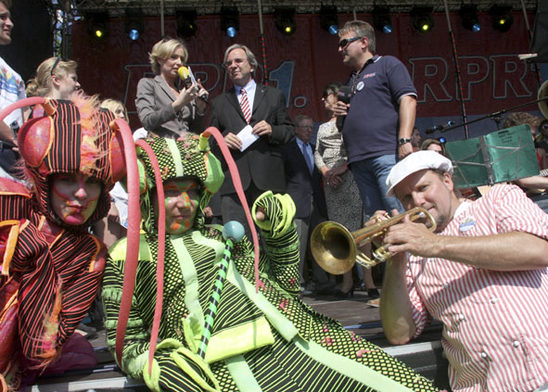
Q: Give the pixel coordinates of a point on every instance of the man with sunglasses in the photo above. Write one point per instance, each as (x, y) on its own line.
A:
(380, 116)
(262, 110)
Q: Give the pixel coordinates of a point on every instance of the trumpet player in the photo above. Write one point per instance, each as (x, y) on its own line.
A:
(482, 273)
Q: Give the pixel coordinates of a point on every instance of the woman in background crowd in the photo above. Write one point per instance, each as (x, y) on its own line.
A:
(55, 78)
(341, 192)
(166, 109)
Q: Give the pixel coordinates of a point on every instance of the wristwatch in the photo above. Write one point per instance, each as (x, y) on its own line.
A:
(403, 140)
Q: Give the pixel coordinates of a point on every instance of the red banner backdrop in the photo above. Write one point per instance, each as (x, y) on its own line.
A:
(302, 64)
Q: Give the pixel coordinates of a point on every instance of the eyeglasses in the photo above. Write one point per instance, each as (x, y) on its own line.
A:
(57, 59)
(237, 61)
(346, 41)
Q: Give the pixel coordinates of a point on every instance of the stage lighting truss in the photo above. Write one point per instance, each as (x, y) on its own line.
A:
(97, 24)
(186, 23)
(329, 19)
(422, 19)
(501, 16)
(134, 24)
(230, 20)
(285, 20)
(382, 20)
(469, 17)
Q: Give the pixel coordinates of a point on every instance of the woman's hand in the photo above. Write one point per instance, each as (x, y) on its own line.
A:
(186, 95)
(202, 95)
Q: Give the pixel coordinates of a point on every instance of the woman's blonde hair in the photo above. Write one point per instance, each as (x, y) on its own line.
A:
(113, 105)
(41, 84)
(163, 50)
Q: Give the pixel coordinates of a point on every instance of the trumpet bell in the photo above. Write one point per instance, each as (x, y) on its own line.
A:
(332, 247)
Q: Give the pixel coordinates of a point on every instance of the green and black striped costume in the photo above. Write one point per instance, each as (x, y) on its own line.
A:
(265, 341)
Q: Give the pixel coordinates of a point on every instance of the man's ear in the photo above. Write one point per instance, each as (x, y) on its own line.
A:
(448, 181)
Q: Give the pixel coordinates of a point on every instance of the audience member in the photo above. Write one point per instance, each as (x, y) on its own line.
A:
(483, 274)
(341, 192)
(166, 108)
(54, 266)
(12, 89)
(55, 78)
(380, 117)
(261, 165)
(267, 340)
(304, 185)
(434, 145)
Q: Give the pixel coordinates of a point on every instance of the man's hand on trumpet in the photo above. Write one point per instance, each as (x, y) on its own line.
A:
(415, 238)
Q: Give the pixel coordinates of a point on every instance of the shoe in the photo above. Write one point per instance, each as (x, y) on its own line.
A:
(344, 294)
(374, 303)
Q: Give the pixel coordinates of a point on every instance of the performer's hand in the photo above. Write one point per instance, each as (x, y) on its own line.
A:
(233, 141)
(262, 128)
(260, 214)
(208, 213)
(378, 217)
(412, 237)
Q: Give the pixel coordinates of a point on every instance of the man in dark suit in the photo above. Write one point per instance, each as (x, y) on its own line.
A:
(261, 107)
(304, 185)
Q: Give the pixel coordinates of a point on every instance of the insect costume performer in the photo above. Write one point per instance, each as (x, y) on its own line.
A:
(261, 340)
(51, 269)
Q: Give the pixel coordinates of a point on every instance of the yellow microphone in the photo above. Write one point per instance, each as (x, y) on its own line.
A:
(184, 74)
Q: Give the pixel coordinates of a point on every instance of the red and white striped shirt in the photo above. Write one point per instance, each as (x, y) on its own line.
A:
(495, 323)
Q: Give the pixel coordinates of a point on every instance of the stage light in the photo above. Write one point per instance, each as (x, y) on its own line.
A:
(469, 17)
(501, 17)
(442, 139)
(328, 19)
(186, 23)
(134, 24)
(422, 19)
(97, 24)
(382, 20)
(230, 21)
(285, 20)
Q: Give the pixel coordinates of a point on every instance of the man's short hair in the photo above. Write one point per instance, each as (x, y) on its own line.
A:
(7, 3)
(361, 29)
(252, 60)
(300, 118)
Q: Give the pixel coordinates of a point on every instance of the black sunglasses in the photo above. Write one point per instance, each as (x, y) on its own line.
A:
(346, 41)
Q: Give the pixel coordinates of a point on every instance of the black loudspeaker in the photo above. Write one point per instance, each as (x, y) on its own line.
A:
(31, 37)
(539, 44)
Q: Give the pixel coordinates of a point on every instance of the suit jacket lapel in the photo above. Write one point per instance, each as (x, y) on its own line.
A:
(233, 100)
(165, 88)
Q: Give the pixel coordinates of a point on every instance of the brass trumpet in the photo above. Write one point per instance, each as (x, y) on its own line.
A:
(335, 248)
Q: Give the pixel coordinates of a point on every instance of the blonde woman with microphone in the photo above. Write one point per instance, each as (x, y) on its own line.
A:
(166, 106)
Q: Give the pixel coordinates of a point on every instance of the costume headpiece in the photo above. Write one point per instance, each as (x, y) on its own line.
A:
(73, 137)
(177, 159)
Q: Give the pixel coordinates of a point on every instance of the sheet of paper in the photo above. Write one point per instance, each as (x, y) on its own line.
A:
(247, 137)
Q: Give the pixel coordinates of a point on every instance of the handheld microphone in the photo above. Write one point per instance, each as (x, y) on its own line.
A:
(185, 73)
(185, 76)
(344, 95)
